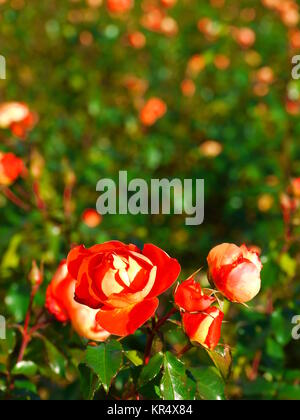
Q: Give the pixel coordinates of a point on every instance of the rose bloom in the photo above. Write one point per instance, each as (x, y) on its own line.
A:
(295, 186)
(11, 168)
(190, 297)
(196, 64)
(137, 40)
(188, 87)
(153, 110)
(119, 6)
(294, 38)
(91, 218)
(17, 117)
(204, 327)
(235, 272)
(168, 3)
(60, 302)
(121, 282)
(265, 75)
(245, 37)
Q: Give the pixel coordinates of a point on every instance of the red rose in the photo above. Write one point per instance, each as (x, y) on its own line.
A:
(235, 271)
(189, 296)
(119, 6)
(122, 282)
(11, 168)
(204, 327)
(153, 110)
(61, 303)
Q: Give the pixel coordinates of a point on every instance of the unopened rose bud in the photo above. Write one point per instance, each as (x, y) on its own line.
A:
(235, 271)
(35, 275)
(205, 327)
(190, 297)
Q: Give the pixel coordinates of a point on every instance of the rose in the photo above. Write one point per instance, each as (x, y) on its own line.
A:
(119, 6)
(11, 168)
(17, 117)
(190, 297)
(60, 302)
(91, 218)
(122, 282)
(154, 109)
(235, 271)
(204, 327)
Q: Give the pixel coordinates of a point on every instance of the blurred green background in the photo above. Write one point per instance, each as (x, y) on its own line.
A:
(71, 62)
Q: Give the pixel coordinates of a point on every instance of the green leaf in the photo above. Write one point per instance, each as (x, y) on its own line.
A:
(135, 357)
(153, 368)
(25, 385)
(89, 382)
(11, 257)
(26, 368)
(222, 360)
(288, 265)
(210, 384)
(105, 360)
(17, 301)
(57, 360)
(173, 383)
(7, 346)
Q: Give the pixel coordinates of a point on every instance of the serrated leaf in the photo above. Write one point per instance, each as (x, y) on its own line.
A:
(210, 384)
(173, 383)
(26, 368)
(153, 368)
(105, 360)
(222, 360)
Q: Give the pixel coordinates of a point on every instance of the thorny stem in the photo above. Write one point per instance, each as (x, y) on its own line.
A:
(155, 328)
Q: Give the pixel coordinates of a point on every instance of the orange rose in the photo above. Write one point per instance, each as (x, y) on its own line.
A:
(17, 117)
(154, 109)
(204, 327)
(122, 282)
(60, 302)
(190, 297)
(11, 168)
(235, 271)
(91, 218)
(119, 6)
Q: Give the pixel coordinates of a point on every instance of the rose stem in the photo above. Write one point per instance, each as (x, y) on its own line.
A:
(152, 333)
(14, 199)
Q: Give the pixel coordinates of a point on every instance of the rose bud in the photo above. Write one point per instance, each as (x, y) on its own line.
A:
(190, 297)
(91, 218)
(153, 110)
(119, 6)
(11, 168)
(121, 282)
(204, 328)
(35, 275)
(17, 117)
(235, 271)
(60, 302)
